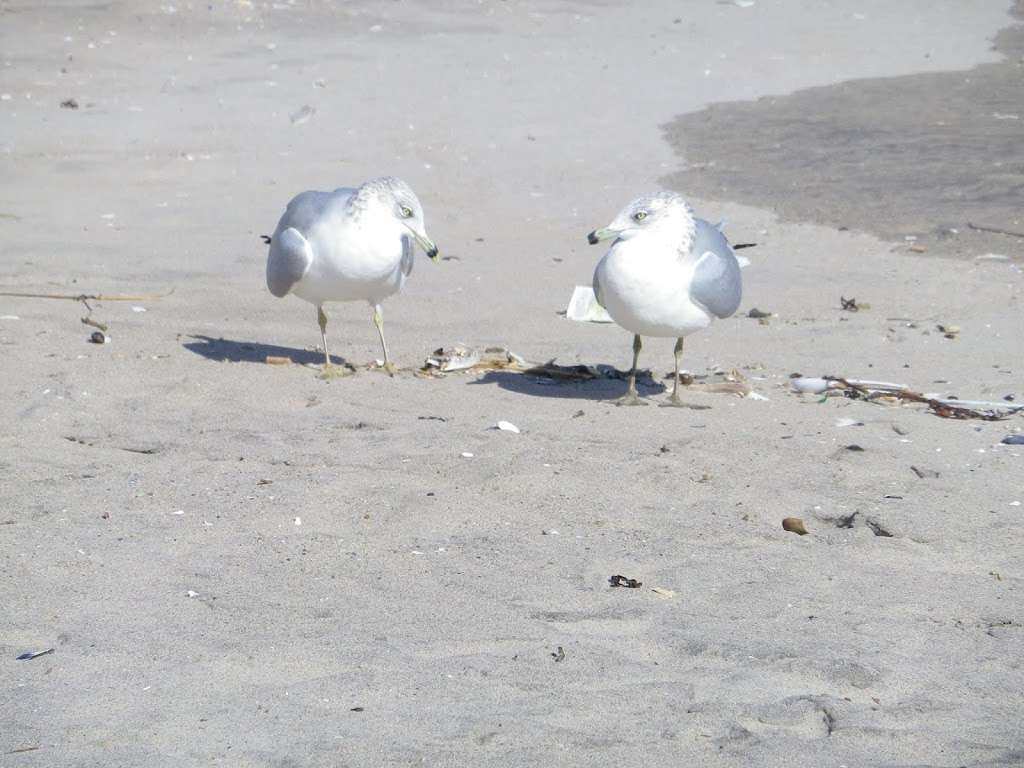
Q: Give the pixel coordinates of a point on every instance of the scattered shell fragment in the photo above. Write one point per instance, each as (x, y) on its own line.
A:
(849, 423)
(467, 455)
(508, 426)
(794, 525)
(192, 593)
(99, 337)
(663, 592)
(302, 115)
(949, 331)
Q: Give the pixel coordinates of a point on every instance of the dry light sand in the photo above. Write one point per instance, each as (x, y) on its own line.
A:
(152, 489)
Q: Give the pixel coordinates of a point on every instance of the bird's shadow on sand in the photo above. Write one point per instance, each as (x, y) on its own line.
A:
(230, 350)
(593, 389)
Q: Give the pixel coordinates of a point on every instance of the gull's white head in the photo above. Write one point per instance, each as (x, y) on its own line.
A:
(664, 214)
(388, 196)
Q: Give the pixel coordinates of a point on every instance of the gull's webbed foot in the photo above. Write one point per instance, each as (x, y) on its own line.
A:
(328, 372)
(673, 401)
(630, 398)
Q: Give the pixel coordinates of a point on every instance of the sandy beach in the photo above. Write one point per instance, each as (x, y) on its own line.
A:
(241, 564)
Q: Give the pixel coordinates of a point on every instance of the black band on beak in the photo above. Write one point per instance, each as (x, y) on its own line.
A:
(592, 238)
(432, 254)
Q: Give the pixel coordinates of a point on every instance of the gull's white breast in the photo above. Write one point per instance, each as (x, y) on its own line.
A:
(353, 259)
(645, 286)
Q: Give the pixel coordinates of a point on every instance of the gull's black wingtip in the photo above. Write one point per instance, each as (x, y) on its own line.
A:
(265, 239)
(592, 238)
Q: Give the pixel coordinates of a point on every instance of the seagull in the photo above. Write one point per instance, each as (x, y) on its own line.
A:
(667, 274)
(347, 245)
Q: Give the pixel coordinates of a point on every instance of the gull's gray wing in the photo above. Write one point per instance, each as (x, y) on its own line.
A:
(288, 261)
(598, 292)
(290, 252)
(408, 252)
(716, 283)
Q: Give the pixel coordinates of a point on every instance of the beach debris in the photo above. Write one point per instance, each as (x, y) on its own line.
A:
(507, 426)
(467, 455)
(357, 709)
(99, 337)
(794, 525)
(924, 473)
(917, 249)
(278, 360)
(431, 418)
(845, 422)
(995, 230)
(809, 385)
(663, 592)
(855, 448)
(138, 309)
(949, 331)
(457, 358)
(619, 580)
(888, 393)
(549, 532)
(302, 114)
(29, 655)
(559, 654)
(758, 314)
(991, 257)
(851, 305)
(876, 528)
(69, 104)
(1013, 440)
(584, 307)
(191, 593)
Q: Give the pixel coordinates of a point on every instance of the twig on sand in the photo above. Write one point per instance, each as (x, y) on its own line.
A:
(996, 230)
(85, 297)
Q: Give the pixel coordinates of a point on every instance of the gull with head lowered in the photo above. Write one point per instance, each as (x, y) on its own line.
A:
(348, 245)
(666, 274)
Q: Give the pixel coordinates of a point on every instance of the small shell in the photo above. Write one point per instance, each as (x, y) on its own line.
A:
(794, 525)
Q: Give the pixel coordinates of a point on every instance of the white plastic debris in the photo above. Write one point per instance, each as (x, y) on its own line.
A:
(583, 307)
(813, 386)
(508, 426)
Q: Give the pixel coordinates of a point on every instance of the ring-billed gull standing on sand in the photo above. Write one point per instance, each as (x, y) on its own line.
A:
(666, 274)
(348, 245)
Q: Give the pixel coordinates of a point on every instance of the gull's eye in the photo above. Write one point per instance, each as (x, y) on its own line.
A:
(407, 211)
(639, 215)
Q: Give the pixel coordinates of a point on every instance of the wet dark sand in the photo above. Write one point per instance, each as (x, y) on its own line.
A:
(923, 155)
